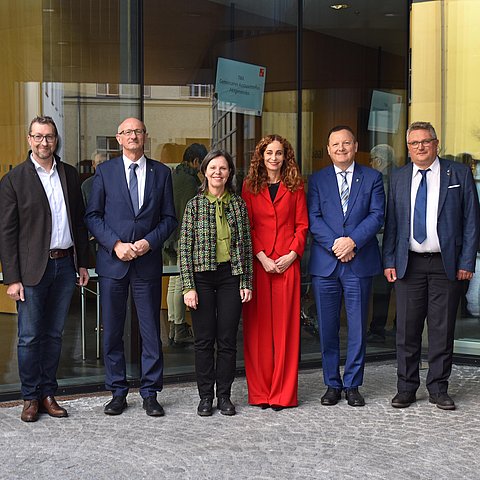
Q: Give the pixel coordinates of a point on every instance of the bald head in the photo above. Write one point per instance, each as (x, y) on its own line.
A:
(131, 137)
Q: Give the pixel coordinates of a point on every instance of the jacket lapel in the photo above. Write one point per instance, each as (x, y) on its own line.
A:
(63, 182)
(332, 185)
(357, 180)
(405, 186)
(444, 183)
(282, 190)
(120, 172)
(37, 183)
(149, 181)
(266, 194)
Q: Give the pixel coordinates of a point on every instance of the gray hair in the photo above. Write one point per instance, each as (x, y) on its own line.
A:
(422, 126)
(385, 152)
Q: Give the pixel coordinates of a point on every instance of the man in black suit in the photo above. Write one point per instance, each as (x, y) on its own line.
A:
(430, 247)
(43, 242)
(131, 213)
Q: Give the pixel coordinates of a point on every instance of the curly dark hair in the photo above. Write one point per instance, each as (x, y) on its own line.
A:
(257, 178)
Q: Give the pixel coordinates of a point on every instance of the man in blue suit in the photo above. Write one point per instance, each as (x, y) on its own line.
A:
(429, 249)
(346, 203)
(131, 213)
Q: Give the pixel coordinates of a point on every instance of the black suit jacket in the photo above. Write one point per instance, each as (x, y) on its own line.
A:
(26, 222)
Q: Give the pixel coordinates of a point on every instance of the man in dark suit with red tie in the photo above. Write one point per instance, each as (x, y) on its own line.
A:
(131, 213)
(430, 246)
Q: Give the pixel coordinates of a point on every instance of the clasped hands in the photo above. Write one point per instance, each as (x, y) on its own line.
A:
(129, 251)
(191, 297)
(343, 248)
(279, 265)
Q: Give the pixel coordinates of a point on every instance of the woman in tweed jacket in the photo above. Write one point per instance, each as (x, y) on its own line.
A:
(216, 273)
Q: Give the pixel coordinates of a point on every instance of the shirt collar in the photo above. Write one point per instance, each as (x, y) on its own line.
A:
(224, 198)
(140, 162)
(39, 167)
(350, 169)
(434, 167)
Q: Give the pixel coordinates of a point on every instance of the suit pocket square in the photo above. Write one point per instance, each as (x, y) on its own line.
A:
(454, 186)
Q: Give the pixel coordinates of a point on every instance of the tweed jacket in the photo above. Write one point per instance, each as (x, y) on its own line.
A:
(198, 239)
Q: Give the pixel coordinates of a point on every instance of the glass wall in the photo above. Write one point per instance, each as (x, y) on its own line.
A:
(444, 68)
(354, 73)
(90, 64)
(183, 41)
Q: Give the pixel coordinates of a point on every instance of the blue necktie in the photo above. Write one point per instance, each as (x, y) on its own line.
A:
(420, 211)
(133, 187)
(344, 192)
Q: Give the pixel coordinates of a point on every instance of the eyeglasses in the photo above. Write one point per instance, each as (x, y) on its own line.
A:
(424, 143)
(39, 138)
(128, 133)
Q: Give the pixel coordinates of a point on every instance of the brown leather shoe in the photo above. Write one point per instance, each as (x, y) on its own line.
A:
(49, 405)
(30, 411)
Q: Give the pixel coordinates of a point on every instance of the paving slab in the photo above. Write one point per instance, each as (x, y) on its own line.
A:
(308, 442)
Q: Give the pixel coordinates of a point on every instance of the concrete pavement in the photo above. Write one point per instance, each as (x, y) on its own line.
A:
(311, 441)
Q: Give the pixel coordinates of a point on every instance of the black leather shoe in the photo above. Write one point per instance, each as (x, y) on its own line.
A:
(277, 408)
(332, 396)
(403, 399)
(116, 405)
(442, 400)
(152, 407)
(354, 398)
(205, 407)
(225, 406)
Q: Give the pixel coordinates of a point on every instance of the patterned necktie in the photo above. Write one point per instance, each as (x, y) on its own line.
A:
(344, 192)
(133, 187)
(420, 211)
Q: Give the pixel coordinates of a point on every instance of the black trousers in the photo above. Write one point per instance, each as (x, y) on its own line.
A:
(425, 292)
(215, 323)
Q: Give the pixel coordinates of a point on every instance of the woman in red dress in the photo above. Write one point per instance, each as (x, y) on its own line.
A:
(275, 198)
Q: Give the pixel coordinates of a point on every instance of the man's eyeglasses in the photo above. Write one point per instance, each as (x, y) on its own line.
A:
(39, 138)
(424, 143)
(128, 133)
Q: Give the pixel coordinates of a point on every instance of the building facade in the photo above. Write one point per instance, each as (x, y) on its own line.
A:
(375, 66)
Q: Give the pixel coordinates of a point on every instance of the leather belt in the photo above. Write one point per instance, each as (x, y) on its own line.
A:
(424, 254)
(57, 253)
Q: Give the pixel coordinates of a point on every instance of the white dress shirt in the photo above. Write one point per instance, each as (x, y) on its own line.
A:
(141, 172)
(61, 236)
(431, 244)
(349, 171)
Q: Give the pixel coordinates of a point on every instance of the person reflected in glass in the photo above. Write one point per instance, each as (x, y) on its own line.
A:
(274, 193)
(185, 186)
(382, 158)
(216, 274)
(97, 159)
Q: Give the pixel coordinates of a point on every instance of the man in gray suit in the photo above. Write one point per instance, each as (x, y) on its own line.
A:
(430, 245)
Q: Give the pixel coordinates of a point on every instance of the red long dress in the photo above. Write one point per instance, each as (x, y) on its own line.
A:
(271, 320)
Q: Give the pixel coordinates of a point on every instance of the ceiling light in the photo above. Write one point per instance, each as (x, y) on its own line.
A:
(340, 6)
